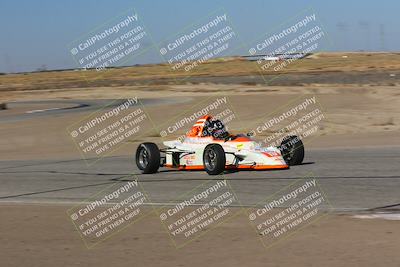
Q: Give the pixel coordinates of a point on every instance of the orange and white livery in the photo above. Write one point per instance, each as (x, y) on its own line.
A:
(208, 146)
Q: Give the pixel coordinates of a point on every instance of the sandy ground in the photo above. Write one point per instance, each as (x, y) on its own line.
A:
(354, 116)
(44, 236)
(357, 114)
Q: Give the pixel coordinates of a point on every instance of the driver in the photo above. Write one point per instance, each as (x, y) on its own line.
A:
(215, 128)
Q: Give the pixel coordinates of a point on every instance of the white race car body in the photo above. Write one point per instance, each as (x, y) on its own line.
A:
(241, 153)
(208, 146)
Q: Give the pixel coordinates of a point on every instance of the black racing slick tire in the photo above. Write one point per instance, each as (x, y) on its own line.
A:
(214, 159)
(148, 158)
(292, 150)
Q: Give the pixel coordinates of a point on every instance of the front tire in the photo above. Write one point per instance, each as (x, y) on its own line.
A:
(214, 159)
(292, 150)
(148, 158)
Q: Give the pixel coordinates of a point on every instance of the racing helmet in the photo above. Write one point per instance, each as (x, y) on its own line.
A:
(214, 128)
(198, 128)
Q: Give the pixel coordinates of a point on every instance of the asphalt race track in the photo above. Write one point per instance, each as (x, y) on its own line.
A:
(31, 109)
(352, 178)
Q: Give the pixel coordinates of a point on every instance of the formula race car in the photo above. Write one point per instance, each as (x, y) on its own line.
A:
(208, 146)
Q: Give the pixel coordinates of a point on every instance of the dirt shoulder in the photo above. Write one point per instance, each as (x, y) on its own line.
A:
(354, 117)
(44, 236)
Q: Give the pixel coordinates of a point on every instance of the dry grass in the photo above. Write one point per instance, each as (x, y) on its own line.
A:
(162, 73)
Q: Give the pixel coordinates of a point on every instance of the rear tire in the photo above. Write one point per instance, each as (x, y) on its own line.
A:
(214, 159)
(148, 158)
(292, 150)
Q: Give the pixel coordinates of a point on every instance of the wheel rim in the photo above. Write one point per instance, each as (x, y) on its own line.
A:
(143, 158)
(288, 152)
(210, 159)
